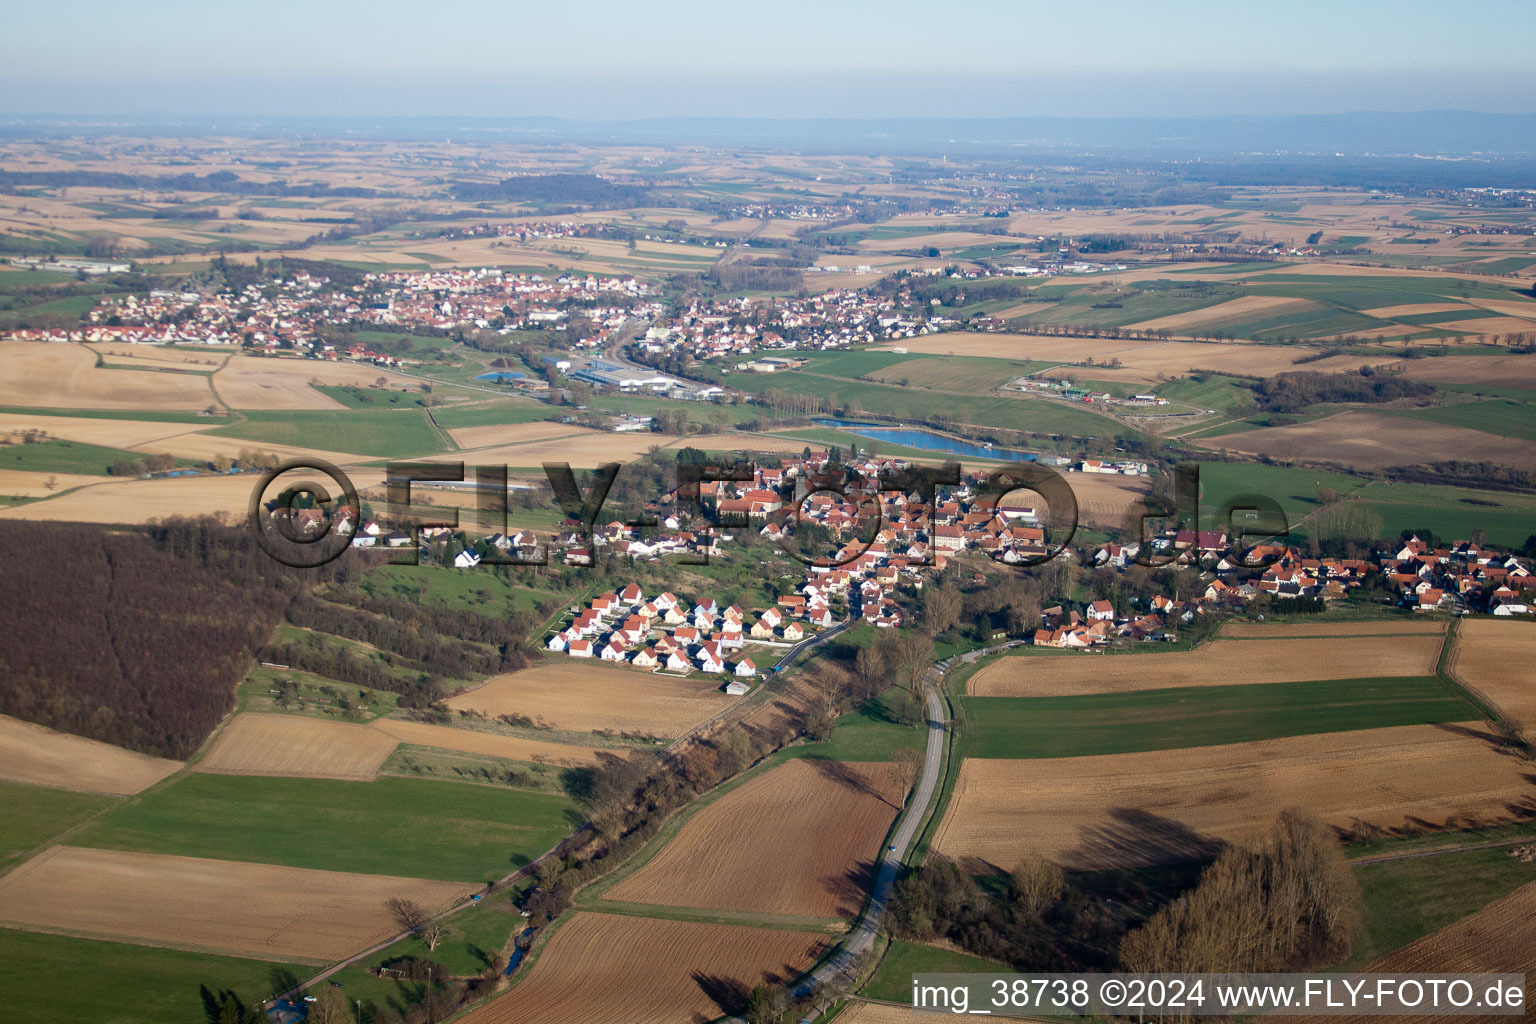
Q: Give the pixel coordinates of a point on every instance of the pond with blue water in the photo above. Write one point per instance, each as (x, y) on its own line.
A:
(927, 440)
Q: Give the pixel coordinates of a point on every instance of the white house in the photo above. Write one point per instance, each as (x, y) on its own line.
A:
(744, 667)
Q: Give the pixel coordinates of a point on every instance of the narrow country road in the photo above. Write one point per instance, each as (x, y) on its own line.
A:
(862, 937)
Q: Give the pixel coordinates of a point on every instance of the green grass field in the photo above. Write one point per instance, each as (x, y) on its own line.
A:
(53, 979)
(1201, 716)
(1501, 416)
(68, 457)
(417, 828)
(31, 815)
(473, 935)
(892, 980)
(369, 398)
(867, 734)
(1407, 899)
(493, 412)
(387, 433)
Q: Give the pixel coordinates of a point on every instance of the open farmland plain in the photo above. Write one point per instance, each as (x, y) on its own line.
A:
(587, 698)
(293, 745)
(248, 909)
(806, 833)
(1219, 663)
(1368, 441)
(1170, 806)
(30, 753)
(1494, 659)
(648, 971)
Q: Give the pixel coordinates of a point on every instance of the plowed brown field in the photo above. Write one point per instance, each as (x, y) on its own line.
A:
(1127, 809)
(600, 967)
(253, 909)
(1219, 663)
(806, 834)
(66, 376)
(1281, 630)
(571, 694)
(292, 745)
(31, 753)
(1495, 658)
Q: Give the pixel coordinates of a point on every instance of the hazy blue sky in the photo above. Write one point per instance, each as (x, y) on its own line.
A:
(783, 58)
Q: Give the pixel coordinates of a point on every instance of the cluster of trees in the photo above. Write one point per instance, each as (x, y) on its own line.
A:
(157, 463)
(104, 636)
(1287, 904)
(1292, 392)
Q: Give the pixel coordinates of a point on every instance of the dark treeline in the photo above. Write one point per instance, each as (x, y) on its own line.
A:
(1292, 392)
(104, 636)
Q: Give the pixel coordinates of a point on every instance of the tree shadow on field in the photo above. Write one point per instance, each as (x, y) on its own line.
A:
(283, 980)
(1134, 836)
(1495, 742)
(728, 994)
(850, 887)
(848, 777)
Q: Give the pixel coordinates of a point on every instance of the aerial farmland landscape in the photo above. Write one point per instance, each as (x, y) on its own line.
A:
(666, 514)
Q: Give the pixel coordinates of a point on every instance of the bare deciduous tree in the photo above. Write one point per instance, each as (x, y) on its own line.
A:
(1037, 883)
(407, 913)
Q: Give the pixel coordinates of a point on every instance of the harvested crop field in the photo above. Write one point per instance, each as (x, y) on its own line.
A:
(26, 484)
(601, 967)
(1383, 627)
(1415, 308)
(1106, 500)
(131, 502)
(1016, 346)
(93, 430)
(292, 745)
(1153, 363)
(194, 444)
(1166, 806)
(1244, 308)
(253, 382)
(31, 753)
(582, 448)
(257, 910)
(567, 694)
(735, 441)
(807, 834)
(1494, 659)
(1498, 371)
(509, 433)
(1500, 938)
(1374, 440)
(66, 376)
(1219, 663)
(469, 741)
